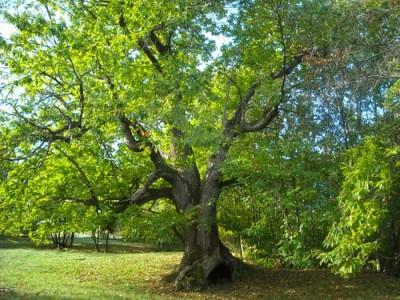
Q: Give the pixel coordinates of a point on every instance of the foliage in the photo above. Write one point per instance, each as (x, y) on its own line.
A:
(288, 203)
(154, 225)
(367, 204)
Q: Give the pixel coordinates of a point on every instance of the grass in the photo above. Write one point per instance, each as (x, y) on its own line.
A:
(31, 273)
(27, 272)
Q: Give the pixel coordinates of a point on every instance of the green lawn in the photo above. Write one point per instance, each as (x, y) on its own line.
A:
(31, 273)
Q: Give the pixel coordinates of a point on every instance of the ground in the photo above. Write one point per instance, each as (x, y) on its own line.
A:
(134, 272)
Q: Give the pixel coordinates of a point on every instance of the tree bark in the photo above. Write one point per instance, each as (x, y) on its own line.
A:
(95, 237)
(71, 241)
(107, 238)
(206, 260)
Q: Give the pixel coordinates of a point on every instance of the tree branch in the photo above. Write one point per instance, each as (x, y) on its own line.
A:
(132, 143)
(27, 156)
(161, 48)
(268, 115)
(150, 195)
(269, 112)
(145, 197)
(146, 49)
(288, 68)
(86, 202)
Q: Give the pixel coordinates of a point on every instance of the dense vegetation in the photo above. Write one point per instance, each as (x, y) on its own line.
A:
(266, 128)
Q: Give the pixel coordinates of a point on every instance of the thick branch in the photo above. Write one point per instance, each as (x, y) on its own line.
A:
(229, 182)
(148, 196)
(161, 48)
(231, 124)
(137, 145)
(178, 234)
(269, 113)
(145, 192)
(263, 122)
(146, 49)
(245, 101)
(287, 69)
(142, 140)
(133, 144)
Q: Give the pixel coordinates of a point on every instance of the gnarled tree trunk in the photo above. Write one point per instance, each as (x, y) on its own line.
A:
(206, 260)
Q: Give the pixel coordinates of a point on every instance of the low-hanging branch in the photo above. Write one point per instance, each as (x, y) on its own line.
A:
(141, 197)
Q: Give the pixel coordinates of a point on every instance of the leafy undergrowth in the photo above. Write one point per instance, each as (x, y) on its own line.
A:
(32, 273)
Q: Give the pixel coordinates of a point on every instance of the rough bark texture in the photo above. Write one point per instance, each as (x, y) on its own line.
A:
(206, 260)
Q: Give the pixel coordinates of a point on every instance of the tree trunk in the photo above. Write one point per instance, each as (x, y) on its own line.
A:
(206, 260)
(95, 237)
(71, 241)
(107, 237)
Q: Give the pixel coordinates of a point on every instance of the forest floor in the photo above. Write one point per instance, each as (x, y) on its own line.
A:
(134, 272)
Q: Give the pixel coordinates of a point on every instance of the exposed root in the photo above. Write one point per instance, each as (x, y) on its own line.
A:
(217, 268)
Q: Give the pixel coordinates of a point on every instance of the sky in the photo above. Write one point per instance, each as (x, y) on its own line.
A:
(5, 31)
(5, 28)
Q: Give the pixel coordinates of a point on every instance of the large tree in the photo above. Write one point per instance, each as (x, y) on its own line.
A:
(160, 79)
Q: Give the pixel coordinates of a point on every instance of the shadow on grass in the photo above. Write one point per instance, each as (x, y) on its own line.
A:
(116, 249)
(81, 293)
(81, 244)
(10, 294)
(17, 243)
(260, 283)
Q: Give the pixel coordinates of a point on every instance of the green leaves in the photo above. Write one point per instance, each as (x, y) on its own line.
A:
(365, 206)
